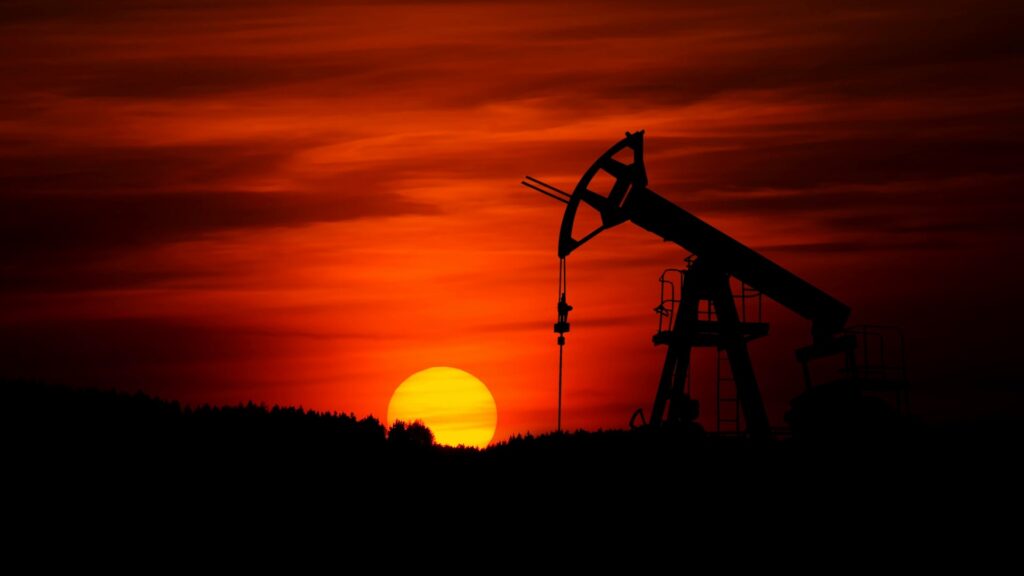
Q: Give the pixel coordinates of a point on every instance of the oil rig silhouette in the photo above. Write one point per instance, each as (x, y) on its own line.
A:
(700, 308)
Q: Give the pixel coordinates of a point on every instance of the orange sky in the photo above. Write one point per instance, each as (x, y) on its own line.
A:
(306, 202)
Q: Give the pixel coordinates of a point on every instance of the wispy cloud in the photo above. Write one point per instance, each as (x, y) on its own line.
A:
(354, 165)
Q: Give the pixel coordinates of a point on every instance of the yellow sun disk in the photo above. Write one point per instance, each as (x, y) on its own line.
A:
(456, 406)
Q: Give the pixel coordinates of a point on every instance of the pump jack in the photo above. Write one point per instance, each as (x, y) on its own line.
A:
(715, 258)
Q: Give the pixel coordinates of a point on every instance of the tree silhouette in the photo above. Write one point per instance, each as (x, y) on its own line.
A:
(414, 433)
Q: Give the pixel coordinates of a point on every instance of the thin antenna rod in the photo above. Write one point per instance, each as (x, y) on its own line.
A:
(546, 189)
(544, 192)
(549, 186)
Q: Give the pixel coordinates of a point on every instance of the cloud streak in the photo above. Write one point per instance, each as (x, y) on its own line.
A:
(321, 167)
(34, 225)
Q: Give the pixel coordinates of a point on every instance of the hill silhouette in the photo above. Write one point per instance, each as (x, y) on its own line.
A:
(112, 423)
(86, 437)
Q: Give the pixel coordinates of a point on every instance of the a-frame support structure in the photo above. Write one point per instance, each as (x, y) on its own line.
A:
(719, 326)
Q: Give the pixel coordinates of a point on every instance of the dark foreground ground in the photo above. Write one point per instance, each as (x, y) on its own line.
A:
(83, 455)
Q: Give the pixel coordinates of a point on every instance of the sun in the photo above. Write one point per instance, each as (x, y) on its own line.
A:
(456, 406)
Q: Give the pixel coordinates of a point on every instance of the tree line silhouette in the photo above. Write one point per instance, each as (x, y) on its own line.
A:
(79, 422)
(80, 453)
(56, 424)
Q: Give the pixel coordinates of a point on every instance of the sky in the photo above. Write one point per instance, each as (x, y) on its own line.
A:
(306, 202)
